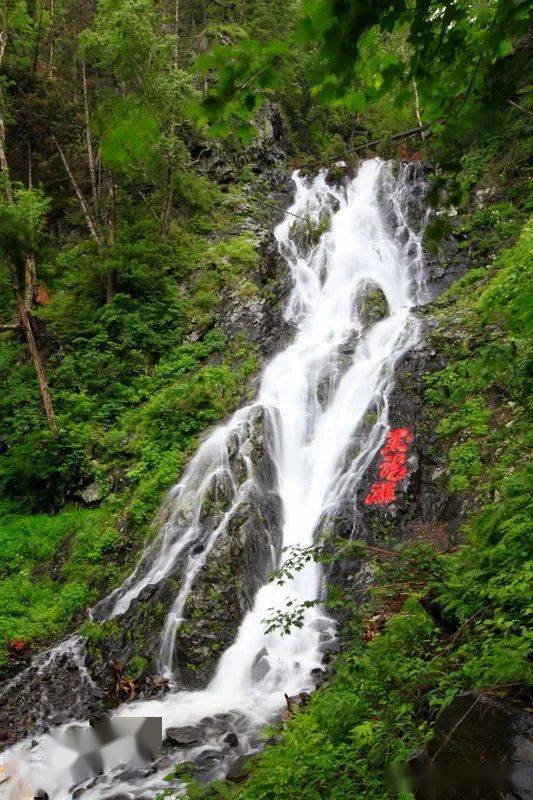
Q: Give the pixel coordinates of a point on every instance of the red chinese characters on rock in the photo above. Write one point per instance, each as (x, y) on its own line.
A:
(393, 467)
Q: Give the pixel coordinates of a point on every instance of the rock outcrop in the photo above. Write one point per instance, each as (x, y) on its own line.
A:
(482, 748)
(54, 689)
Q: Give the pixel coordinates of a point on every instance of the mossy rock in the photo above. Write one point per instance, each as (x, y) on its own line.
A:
(372, 305)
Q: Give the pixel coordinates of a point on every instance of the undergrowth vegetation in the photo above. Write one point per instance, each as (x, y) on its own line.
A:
(133, 390)
(125, 229)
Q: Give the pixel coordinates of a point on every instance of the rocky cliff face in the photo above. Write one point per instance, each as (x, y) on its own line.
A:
(482, 747)
(248, 515)
(420, 508)
(122, 653)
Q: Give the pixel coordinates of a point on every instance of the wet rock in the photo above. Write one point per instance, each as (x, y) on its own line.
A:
(296, 702)
(135, 633)
(422, 508)
(159, 682)
(183, 737)
(165, 762)
(329, 649)
(260, 666)
(232, 739)
(97, 717)
(446, 265)
(237, 565)
(482, 748)
(207, 757)
(91, 495)
(240, 769)
(372, 304)
(225, 587)
(52, 690)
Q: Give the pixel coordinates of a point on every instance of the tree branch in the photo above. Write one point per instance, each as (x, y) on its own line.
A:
(79, 195)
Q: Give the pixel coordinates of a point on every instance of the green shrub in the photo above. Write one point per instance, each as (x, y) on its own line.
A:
(43, 470)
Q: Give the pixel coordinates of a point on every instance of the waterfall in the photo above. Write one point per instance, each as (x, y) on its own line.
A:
(313, 400)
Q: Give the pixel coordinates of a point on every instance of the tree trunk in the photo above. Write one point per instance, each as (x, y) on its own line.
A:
(176, 31)
(3, 160)
(111, 287)
(52, 36)
(168, 205)
(30, 278)
(30, 281)
(37, 40)
(30, 163)
(25, 321)
(88, 219)
(88, 139)
(417, 109)
(24, 294)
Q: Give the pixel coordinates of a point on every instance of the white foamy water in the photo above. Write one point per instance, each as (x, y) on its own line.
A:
(315, 394)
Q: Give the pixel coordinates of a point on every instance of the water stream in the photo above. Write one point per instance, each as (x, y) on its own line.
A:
(314, 395)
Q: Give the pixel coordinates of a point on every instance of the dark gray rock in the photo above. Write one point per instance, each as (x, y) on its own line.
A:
(52, 690)
(260, 666)
(240, 769)
(372, 304)
(184, 737)
(482, 748)
(208, 756)
(232, 739)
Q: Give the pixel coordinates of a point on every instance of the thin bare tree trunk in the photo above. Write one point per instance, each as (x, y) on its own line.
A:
(3, 162)
(98, 166)
(168, 205)
(30, 281)
(38, 39)
(24, 294)
(88, 138)
(25, 320)
(417, 109)
(3, 159)
(30, 164)
(111, 287)
(176, 31)
(4, 168)
(52, 36)
(79, 195)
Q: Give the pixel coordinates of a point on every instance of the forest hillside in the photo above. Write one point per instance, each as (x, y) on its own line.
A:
(146, 153)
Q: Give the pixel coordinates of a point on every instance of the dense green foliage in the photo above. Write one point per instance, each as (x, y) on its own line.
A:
(451, 59)
(136, 223)
(125, 300)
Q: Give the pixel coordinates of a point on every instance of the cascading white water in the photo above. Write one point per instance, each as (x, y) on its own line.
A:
(315, 393)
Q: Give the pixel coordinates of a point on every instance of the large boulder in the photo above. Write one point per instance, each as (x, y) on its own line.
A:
(55, 688)
(482, 748)
(372, 305)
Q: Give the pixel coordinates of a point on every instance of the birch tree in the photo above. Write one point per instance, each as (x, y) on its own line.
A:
(21, 219)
